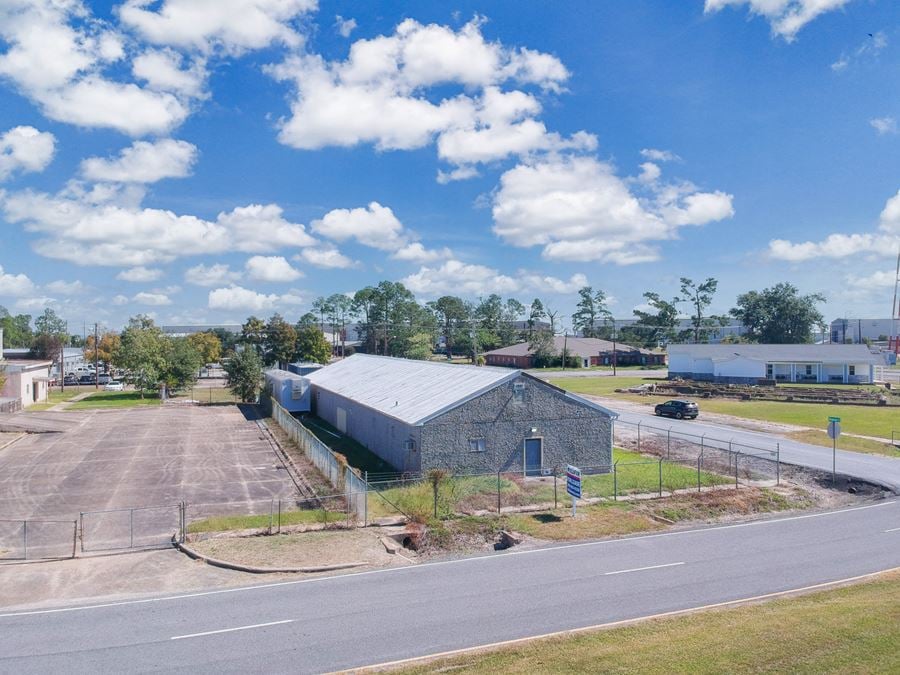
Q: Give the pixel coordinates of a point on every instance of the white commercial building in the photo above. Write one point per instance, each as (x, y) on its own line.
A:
(748, 364)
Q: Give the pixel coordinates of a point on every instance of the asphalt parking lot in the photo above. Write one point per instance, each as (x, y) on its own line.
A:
(140, 457)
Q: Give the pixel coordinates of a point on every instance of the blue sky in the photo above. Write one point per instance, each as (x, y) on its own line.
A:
(202, 161)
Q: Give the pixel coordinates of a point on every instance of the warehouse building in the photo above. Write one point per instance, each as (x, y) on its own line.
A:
(749, 364)
(419, 415)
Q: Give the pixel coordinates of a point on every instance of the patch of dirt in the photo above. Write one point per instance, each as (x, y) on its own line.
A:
(727, 505)
(304, 549)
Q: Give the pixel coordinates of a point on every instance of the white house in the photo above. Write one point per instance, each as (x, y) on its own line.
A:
(747, 364)
(27, 381)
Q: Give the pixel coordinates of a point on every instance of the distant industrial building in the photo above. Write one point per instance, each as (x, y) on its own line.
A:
(588, 352)
(856, 331)
(27, 380)
(184, 331)
(751, 363)
(419, 415)
(290, 390)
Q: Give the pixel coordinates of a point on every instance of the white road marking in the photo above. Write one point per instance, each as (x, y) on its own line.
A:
(459, 561)
(896, 529)
(641, 569)
(613, 624)
(231, 630)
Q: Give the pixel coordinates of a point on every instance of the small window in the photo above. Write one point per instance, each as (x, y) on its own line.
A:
(409, 445)
(809, 370)
(519, 392)
(852, 370)
(476, 445)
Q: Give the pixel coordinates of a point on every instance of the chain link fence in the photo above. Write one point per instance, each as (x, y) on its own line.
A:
(38, 539)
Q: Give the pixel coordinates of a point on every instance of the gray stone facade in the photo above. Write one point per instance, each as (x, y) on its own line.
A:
(571, 432)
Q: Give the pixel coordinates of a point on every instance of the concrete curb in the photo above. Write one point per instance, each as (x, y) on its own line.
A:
(252, 569)
(21, 435)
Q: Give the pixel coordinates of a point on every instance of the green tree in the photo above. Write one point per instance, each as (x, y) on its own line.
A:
(535, 313)
(280, 341)
(182, 362)
(253, 333)
(49, 323)
(508, 331)
(451, 315)
(590, 311)
(542, 347)
(108, 345)
(420, 346)
(365, 305)
(16, 329)
(699, 297)
(342, 311)
(143, 350)
(208, 345)
(779, 315)
(243, 373)
(657, 326)
(311, 344)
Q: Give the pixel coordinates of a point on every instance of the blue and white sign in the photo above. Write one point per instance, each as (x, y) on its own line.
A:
(573, 481)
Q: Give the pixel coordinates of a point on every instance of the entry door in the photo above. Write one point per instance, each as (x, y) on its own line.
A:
(342, 420)
(533, 456)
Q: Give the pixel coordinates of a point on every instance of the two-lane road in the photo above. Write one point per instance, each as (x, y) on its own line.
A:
(877, 469)
(373, 617)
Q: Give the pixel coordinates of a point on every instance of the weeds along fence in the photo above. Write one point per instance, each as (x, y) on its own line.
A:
(342, 476)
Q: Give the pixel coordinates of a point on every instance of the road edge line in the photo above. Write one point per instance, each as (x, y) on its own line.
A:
(611, 624)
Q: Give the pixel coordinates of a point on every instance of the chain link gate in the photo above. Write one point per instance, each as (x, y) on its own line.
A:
(130, 529)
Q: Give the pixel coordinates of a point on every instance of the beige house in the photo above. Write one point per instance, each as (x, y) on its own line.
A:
(27, 381)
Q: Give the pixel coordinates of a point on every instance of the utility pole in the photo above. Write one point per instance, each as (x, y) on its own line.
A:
(615, 350)
(474, 344)
(96, 360)
(565, 354)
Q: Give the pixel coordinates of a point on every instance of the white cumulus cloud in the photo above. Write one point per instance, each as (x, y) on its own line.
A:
(328, 257)
(152, 299)
(883, 242)
(15, 285)
(460, 278)
(577, 208)
(143, 162)
(786, 17)
(25, 149)
(212, 275)
(884, 125)
(271, 268)
(240, 298)
(139, 274)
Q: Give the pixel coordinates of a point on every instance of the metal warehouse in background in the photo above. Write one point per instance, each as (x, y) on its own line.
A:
(420, 415)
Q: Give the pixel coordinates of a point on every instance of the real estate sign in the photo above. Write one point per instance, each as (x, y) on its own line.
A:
(573, 481)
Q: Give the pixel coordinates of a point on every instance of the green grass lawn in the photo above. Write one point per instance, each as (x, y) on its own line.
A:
(848, 630)
(261, 521)
(636, 474)
(115, 399)
(865, 420)
(845, 442)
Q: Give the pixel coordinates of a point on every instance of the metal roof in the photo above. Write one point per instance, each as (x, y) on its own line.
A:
(820, 353)
(410, 391)
(415, 392)
(577, 346)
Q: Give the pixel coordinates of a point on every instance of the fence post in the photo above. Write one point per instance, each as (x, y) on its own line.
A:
(183, 521)
(778, 464)
(366, 501)
(616, 481)
(74, 536)
(669, 443)
(81, 520)
(699, 464)
(660, 476)
(131, 527)
(555, 498)
(25, 540)
(736, 472)
(279, 516)
(639, 437)
(271, 514)
(498, 492)
(349, 494)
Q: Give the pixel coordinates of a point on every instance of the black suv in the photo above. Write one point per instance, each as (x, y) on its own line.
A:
(679, 409)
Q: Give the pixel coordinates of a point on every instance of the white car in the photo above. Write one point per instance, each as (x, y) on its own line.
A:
(114, 386)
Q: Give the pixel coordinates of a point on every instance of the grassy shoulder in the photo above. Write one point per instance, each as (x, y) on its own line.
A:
(845, 442)
(265, 520)
(855, 629)
(866, 420)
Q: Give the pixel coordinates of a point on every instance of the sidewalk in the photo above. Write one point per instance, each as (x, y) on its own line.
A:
(65, 405)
